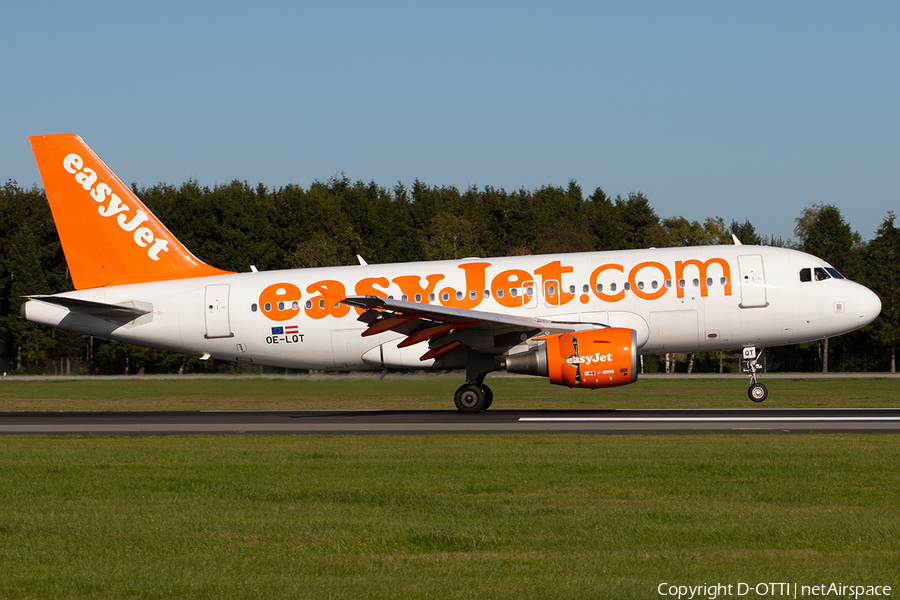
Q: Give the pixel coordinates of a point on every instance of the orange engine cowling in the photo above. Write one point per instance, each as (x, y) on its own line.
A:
(588, 359)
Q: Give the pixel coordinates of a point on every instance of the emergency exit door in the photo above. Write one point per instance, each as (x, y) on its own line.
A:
(753, 281)
(218, 324)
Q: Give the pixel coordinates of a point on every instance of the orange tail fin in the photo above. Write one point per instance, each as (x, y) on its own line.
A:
(108, 236)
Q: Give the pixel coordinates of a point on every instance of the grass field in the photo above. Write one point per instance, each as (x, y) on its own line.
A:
(541, 516)
(461, 516)
(428, 392)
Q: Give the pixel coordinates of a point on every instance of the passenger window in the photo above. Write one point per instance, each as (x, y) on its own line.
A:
(252, 308)
(821, 274)
(805, 275)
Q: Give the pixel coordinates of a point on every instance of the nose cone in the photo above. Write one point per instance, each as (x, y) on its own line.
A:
(869, 306)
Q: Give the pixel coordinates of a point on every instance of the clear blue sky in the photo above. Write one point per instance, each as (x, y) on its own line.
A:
(744, 110)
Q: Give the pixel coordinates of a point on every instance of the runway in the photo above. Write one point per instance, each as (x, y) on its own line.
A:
(607, 422)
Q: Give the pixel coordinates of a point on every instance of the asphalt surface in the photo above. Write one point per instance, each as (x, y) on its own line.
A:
(452, 422)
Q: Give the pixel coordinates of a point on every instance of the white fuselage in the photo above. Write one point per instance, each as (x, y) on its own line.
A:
(676, 299)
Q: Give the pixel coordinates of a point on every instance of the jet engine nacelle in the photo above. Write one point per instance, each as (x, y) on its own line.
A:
(587, 359)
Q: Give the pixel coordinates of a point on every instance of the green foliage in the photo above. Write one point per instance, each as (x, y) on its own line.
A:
(640, 225)
(882, 256)
(451, 237)
(822, 231)
(745, 232)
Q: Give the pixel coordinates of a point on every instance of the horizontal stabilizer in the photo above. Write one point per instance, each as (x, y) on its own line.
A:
(131, 309)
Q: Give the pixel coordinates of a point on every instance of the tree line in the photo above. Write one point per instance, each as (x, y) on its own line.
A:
(235, 225)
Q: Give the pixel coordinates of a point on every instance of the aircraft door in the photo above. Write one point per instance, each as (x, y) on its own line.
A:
(218, 324)
(753, 281)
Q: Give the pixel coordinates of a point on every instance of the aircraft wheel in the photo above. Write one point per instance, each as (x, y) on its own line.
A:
(757, 392)
(470, 398)
(488, 396)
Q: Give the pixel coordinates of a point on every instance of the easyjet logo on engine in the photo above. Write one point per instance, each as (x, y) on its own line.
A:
(589, 359)
(112, 206)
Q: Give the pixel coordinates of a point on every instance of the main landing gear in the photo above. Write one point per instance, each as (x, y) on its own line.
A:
(757, 391)
(473, 397)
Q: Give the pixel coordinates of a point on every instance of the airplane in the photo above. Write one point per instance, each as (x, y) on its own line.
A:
(582, 320)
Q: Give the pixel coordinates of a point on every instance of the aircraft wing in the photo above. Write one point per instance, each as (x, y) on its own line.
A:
(446, 328)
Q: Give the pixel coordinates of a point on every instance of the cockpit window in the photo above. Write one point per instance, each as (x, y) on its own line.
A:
(821, 274)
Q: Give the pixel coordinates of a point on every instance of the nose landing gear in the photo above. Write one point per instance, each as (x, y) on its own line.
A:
(757, 391)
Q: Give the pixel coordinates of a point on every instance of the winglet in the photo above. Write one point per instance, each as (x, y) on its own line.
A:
(737, 242)
(108, 236)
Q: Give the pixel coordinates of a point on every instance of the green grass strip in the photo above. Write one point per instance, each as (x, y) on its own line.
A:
(515, 516)
(434, 392)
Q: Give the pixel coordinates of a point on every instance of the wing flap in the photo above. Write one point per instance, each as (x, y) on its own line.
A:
(447, 329)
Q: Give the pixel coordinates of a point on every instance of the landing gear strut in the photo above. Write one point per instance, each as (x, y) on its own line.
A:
(757, 391)
(474, 396)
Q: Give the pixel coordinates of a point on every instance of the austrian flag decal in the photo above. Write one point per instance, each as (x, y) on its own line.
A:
(285, 334)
